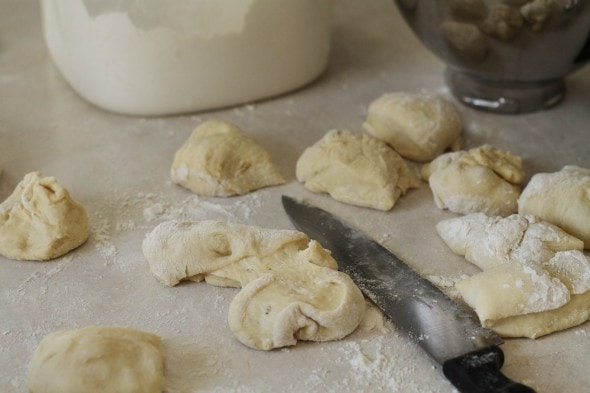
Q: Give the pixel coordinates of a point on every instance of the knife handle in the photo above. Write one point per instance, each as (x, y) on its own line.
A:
(479, 372)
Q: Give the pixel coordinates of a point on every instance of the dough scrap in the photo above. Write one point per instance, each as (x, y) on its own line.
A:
(466, 39)
(512, 289)
(355, 168)
(562, 198)
(483, 179)
(503, 22)
(419, 126)
(291, 289)
(534, 273)
(98, 359)
(219, 159)
(538, 12)
(40, 220)
(490, 241)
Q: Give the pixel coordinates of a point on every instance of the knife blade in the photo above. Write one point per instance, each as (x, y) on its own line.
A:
(468, 353)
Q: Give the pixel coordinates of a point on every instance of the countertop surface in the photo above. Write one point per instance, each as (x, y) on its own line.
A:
(118, 168)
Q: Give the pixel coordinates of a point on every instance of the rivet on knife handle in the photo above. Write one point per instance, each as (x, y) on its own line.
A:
(479, 372)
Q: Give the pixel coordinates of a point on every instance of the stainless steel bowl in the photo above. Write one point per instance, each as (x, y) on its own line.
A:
(506, 56)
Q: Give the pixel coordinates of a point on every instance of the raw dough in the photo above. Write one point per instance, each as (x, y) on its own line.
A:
(40, 220)
(483, 179)
(512, 289)
(97, 360)
(562, 198)
(534, 273)
(466, 39)
(355, 168)
(503, 22)
(219, 159)
(419, 126)
(538, 12)
(290, 288)
(488, 241)
(468, 9)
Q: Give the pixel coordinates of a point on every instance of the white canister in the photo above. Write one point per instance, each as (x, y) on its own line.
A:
(154, 57)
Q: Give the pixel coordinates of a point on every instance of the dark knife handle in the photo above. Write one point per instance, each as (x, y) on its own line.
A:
(479, 372)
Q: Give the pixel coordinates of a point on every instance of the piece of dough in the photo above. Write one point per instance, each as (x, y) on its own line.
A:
(466, 39)
(538, 12)
(483, 179)
(219, 159)
(468, 9)
(290, 288)
(503, 22)
(562, 198)
(355, 168)
(512, 289)
(40, 220)
(519, 300)
(534, 273)
(96, 360)
(419, 126)
(488, 241)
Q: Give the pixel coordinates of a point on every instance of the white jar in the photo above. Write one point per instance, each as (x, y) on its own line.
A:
(155, 57)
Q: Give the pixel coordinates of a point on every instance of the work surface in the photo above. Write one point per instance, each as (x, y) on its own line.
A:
(118, 168)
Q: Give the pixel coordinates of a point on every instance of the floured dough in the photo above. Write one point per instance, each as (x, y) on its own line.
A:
(290, 288)
(355, 168)
(97, 360)
(489, 241)
(419, 126)
(534, 273)
(40, 220)
(562, 198)
(219, 159)
(483, 179)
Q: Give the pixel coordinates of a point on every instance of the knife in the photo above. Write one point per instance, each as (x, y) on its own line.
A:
(469, 354)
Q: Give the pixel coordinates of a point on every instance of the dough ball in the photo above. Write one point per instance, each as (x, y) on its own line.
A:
(534, 273)
(419, 126)
(562, 198)
(521, 300)
(97, 360)
(290, 288)
(538, 12)
(219, 159)
(466, 39)
(355, 168)
(512, 289)
(492, 241)
(503, 22)
(483, 179)
(40, 220)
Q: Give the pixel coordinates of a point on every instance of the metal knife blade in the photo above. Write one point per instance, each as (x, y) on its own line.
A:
(444, 329)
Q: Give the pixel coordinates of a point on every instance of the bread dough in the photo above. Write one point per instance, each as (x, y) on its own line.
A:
(534, 273)
(524, 300)
(492, 241)
(219, 159)
(290, 288)
(512, 289)
(466, 39)
(538, 12)
(96, 360)
(355, 168)
(562, 198)
(419, 126)
(483, 179)
(503, 22)
(40, 220)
